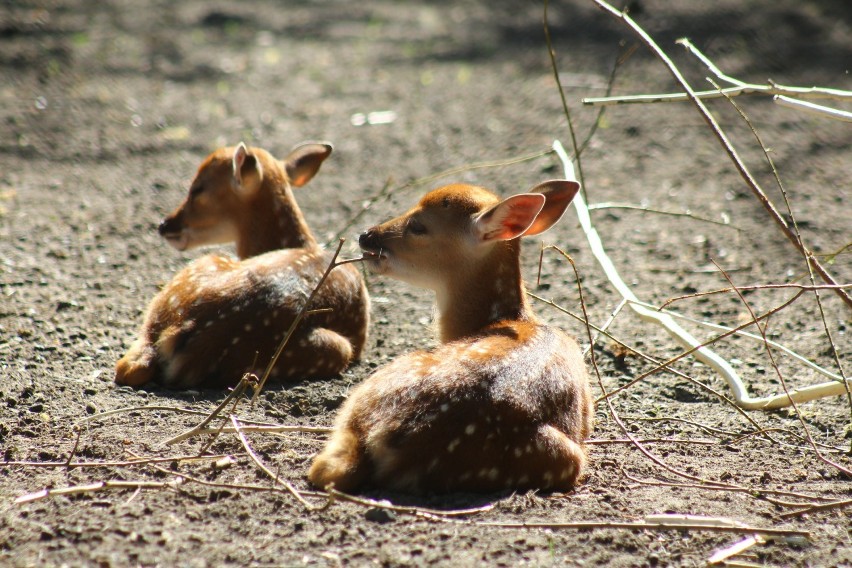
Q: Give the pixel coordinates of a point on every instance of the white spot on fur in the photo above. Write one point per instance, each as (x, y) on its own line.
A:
(235, 340)
(524, 479)
(445, 407)
(518, 452)
(493, 473)
(547, 476)
(471, 428)
(247, 327)
(453, 445)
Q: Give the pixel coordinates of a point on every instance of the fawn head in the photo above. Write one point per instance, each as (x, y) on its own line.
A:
(456, 228)
(226, 185)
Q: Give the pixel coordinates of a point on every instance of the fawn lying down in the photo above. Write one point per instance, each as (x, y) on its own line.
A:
(504, 401)
(219, 317)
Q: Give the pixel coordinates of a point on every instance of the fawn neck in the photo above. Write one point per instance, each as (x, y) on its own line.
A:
(489, 290)
(272, 220)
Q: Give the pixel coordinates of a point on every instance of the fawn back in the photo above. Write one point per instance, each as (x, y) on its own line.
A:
(504, 401)
(220, 317)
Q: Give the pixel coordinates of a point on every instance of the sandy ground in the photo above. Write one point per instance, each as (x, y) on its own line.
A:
(107, 109)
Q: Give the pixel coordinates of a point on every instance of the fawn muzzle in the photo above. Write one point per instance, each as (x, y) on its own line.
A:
(171, 229)
(371, 243)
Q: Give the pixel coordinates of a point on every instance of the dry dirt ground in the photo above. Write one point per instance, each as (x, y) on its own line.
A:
(107, 109)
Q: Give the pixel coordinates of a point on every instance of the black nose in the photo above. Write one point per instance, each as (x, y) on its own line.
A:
(168, 226)
(368, 239)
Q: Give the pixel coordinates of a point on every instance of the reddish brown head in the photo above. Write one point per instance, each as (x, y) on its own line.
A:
(461, 242)
(243, 195)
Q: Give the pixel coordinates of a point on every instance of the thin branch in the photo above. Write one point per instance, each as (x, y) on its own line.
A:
(661, 525)
(728, 147)
(387, 190)
(416, 511)
(287, 485)
(91, 487)
(565, 109)
(812, 108)
(745, 89)
(751, 289)
(124, 463)
(701, 351)
(739, 331)
(263, 429)
(233, 395)
(781, 378)
(627, 206)
(296, 321)
(820, 507)
(659, 366)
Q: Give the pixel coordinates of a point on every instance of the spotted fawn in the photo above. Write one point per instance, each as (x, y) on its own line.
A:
(220, 317)
(504, 402)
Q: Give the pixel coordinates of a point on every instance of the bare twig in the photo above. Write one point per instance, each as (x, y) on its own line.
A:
(781, 378)
(728, 147)
(627, 206)
(659, 366)
(745, 89)
(812, 108)
(701, 351)
(287, 485)
(123, 463)
(271, 429)
(656, 522)
(819, 507)
(416, 511)
(92, 487)
(387, 190)
(750, 289)
(296, 321)
(581, 178)
(233, 395)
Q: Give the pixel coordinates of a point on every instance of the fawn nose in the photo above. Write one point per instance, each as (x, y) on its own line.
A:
(169, 226)
(369, 240)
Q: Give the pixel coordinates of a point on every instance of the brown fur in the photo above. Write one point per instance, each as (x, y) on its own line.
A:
(504, 402)
(219, 317)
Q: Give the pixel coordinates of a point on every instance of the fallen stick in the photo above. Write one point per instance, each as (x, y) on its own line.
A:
(729, 149)
(658, 522)
(813, 108)
(702, 353)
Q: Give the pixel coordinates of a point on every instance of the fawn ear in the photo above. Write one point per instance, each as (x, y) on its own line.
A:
(558, 194)
(508, 219)
(247, 169)
(305, 160)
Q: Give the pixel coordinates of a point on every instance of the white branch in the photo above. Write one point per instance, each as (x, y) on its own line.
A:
(702, 353)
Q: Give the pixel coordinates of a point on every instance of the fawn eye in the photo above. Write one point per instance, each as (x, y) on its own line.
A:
(196, 190)
(415, 227)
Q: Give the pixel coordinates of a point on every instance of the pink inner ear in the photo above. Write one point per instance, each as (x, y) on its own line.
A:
(510, 218)
(239, 159)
